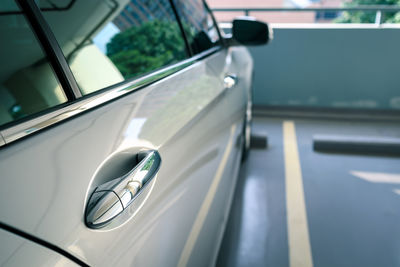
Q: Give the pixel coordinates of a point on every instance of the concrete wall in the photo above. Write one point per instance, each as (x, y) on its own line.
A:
(351, 66)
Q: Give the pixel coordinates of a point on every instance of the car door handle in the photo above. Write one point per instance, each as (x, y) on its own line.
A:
(230, 81)
(110, 199)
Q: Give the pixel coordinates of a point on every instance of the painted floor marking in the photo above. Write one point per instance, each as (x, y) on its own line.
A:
(298, 235)
(378, 177)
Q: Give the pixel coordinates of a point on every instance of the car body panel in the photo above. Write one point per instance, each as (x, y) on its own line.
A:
(193, 122)
(22, 252)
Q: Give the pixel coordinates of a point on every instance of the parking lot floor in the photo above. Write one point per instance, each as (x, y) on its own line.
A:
(294, 206)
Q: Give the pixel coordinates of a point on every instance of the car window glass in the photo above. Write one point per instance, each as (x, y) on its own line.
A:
(198, 24)
(107, 42)
(27, 82)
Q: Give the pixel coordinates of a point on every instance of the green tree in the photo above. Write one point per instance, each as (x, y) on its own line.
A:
(147, 47)
(367, 16)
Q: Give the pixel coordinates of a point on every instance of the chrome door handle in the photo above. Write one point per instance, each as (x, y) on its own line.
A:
(110, 199)
(230, 81)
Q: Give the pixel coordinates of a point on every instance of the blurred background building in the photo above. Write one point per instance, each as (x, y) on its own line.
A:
(137, 12)
(278, 17)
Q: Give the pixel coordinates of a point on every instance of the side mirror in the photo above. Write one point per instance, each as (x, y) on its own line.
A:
(249, 31)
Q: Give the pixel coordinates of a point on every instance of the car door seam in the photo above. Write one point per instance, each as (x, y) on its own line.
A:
(42, 242)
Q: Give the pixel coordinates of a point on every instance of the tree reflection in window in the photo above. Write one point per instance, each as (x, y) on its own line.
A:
(146, 47)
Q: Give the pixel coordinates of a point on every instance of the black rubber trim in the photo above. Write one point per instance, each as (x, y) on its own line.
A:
(51, 48)
(42, 242)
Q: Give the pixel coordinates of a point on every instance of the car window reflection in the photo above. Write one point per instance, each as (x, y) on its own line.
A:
(107, 44)
(27, 82)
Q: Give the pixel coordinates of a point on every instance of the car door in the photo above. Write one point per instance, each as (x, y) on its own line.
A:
(17, 251)
(133, 92)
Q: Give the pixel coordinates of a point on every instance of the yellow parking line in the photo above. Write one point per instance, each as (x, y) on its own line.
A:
(298, 236)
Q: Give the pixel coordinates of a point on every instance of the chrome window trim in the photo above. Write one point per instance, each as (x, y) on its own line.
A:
(81, 105)
(2, 141)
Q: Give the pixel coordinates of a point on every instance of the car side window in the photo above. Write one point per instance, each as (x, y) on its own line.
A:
(106, 43)
(198, 25)
(28, 83)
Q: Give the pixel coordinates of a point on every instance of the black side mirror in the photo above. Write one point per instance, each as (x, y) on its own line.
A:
(248, 31)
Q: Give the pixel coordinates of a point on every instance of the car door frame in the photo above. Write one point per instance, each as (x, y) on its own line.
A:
(76, 102)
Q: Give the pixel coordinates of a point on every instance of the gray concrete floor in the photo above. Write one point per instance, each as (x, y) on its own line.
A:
(351, 221)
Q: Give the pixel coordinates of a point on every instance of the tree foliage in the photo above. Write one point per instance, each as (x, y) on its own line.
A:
(147, 47)
(368, 16)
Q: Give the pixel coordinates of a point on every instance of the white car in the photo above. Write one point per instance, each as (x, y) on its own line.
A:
(122, 126)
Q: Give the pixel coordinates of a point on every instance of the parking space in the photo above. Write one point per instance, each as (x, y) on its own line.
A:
(351, 201)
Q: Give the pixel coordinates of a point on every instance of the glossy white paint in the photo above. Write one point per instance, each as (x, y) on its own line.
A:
(46, 179)
(17, 251)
